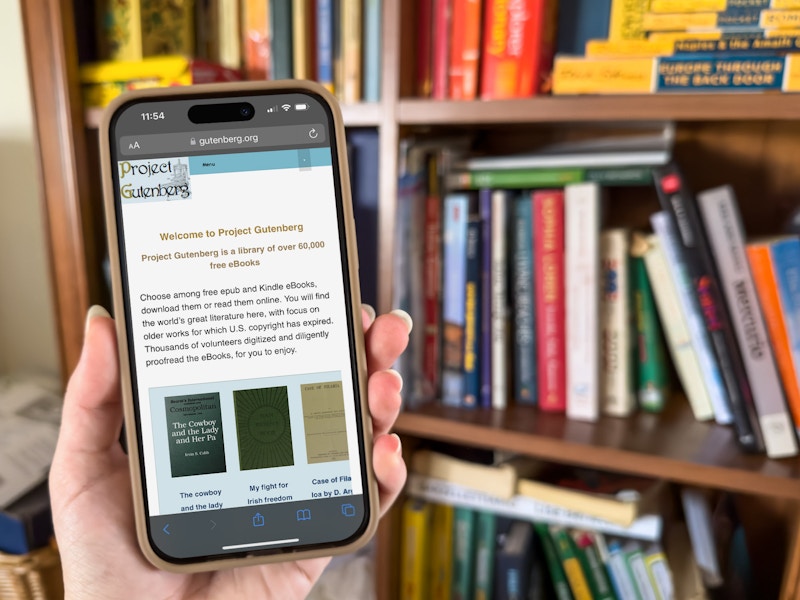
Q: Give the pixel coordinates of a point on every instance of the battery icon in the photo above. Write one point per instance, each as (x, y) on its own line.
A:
(302, 106)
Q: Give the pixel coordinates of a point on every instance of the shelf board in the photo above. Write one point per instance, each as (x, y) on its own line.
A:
(672, 445)
(549, 109)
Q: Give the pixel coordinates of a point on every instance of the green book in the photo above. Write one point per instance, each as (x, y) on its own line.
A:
(593, 566)
(464, 530)
(652, 367)
(485, 541)
(554, 568)
(567, 553)
(543, 178)
(194, 428)
(263, 429)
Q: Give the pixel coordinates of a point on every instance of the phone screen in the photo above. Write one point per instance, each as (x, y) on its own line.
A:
(240, 335)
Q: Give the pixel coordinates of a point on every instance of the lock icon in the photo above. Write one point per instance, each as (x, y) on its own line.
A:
(192, 142)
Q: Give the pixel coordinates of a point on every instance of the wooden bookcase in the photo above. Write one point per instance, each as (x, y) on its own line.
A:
(749, 141)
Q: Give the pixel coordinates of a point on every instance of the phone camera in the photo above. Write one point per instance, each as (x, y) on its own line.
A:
(246, 110)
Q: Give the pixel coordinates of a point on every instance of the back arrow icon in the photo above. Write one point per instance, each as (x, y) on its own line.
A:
(165, 529)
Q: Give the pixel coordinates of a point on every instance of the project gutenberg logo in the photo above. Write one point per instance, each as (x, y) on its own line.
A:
(154, 180)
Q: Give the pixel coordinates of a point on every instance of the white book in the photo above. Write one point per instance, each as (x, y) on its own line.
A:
(646, 527)
(617, 397)
(698, 521)
(582, 264)
(676, 331)
(727, 239)
(499, 286)
(580, 159)
(712, 377)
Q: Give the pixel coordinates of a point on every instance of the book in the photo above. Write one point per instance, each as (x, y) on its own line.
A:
(485, 214)
(441, 47)
(616, 352)
(372, 50)
(655, 152)
(414, 564)
(600, 48)
(658, 570)
(255, 44)
(441, 552)
(641, 579)
(485, 551)
(591, 565)
(228, 38)
(735, 17)
(759, 257)
(726, 236)
(582, 300)
(522, 277)
(120, 30)
(303, 40)
(580, 21)
(464, 56)
(424, 37)
(558, 578)
(324, 43)
(351, 48)
(548, 257)
(626, 19)
(167, 27)
(677, 6)
(652, 370)
(645, 527)
(697, 510)
(678, 200)
(464, 541)
(27, 523)
(472, 316)
(546, 178)
(514, 561)
(432, 278)
(195, 434)
(786, 264)
(566, 551)
(618, 569)
(324, 422)
(499, 293)
(263, 428)
(676, 330)
(732, 44)
(664, 227)
(280, 36)
(454, 283)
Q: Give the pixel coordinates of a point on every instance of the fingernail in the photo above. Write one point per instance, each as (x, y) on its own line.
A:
(399, 377)
(405, 316)
(95, 311)
(399, 449)
(370, 311)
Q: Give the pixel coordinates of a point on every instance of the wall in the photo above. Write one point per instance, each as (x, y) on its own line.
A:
(27, 326)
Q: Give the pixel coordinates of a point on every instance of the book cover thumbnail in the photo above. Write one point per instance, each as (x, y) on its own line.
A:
(323, 418)
(194, 426)
(263, 429)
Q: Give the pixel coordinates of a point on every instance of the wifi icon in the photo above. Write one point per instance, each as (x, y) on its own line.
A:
(286, 107)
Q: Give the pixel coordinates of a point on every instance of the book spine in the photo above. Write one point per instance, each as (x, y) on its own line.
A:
(685, 6)
(464, 538)
(679, 275)
(486, 529)
(616, 396)
(658, 570)
(424, 74)
(351, 50)
(230, 34)
(693, 246)
(432, 273)
(168, 28)
(471, 50)
(454, 268)
(767, 288)
(542, 28)
(779, 19)
(414, 562)
(786, 262)
(620, 572)
(558, 578)
(726, 236)
(516, 179)
(570, 563)
(737, 17)
(548, 258)
(472, 317)
(301, 13)
(120, 24)
(499, 285)
(441, 552)
(581, 272)
(524, 355)
(373, 10)
(325, 43)
(503, 40)
(255, 23)
(280, 35)
(635, 559)
(593, 567)
(628, 48)
(739, 44)
(626, 19)
(652, 376)
(441, 42)
(455, 70)
(530, 54)
(485, 361)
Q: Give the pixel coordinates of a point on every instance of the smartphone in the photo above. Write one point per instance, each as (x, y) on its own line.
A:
(236, 298)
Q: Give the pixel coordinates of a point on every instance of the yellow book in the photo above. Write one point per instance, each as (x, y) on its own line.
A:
(791, 77)
(679, 36)
(167, 27)
(120, 30)
(603, 76)
(685, 6)
(779, 19)
(414, 567)
(301, 23)
(628, 48)
(626, 19)
(678, 21)
(229, 35)
(351, 50)
(773, 33)
(441, 552)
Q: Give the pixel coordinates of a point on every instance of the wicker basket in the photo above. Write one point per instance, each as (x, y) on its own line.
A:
(33, 576)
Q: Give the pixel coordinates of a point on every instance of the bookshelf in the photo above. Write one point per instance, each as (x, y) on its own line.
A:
(748, 140)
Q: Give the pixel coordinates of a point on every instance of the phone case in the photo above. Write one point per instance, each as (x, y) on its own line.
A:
(340, 155)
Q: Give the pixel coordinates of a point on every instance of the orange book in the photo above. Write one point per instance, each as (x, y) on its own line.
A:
(255, 22)
(465, 49)
(536, 66)
(767, 288)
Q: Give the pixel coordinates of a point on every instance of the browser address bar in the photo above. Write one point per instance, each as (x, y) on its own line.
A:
(222, 139)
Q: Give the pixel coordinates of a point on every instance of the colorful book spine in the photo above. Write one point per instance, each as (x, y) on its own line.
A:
(558, 578)
(485, 213)
(786, 262)
(522, 276)
(255, 24)
(681, 280)
(779, 19)
(325, 25)
(168, 27)
(120, 24)
(565, 549)
(499, 283)
(726, 236)
(545, 178)
(486, 529)
(767, 287)
(373, 10)
(581, 273)
(658, 570)
(229, 34)
(626, 19)
(616, 357)
(280, 36)
(536, 62)
(735, 17)
(628, 48)
(414, 565)
(302, 24)
(677, 199)
(593, 567)
(465, 49)
(432, 273)
(424, 67)
(548, 259)
(652, 370)
(681, 6)
(738, 45)
(454, 273)
(620, 572)
(635, 559)
(441, 47)
(464, 538)
(441, 552)
(472, 316)
(351, 28)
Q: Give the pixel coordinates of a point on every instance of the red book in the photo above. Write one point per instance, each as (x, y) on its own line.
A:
(536, 63)
(441, 47)
(548, 264)
(432, 273)
(424, 48)
(465, 49)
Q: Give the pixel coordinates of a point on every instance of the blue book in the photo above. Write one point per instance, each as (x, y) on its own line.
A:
(372, 50)
(454, 283)
(580, 21)
(524, 355)
(472, 319)
(786, 263)
(325, 43)
(280, 35)
(485, 361)
(26, 524)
